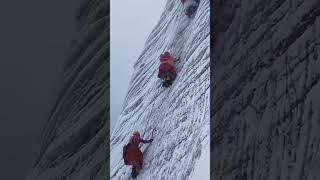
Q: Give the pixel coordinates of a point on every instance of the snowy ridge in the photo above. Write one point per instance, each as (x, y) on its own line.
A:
(73, 142)
(180, 114)
(266, 104)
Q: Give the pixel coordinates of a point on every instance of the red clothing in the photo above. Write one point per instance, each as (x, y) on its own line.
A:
(132, 155)
(166, 68)
(131, 152)
(166, 58)
(166, 65)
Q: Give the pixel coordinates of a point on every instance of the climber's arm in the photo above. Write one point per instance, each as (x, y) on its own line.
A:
(146, 141)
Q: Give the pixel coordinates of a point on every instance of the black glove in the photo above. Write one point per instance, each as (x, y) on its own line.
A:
(151, 140)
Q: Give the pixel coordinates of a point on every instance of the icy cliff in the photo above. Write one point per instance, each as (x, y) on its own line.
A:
(180, 113)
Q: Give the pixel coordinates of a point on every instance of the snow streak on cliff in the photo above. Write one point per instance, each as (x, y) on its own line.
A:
(74, 138)
(180, 113)
(266, 104)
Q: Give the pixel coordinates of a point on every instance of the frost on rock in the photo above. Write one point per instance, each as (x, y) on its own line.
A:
(180, 113)
(266, 104)
(74, 142)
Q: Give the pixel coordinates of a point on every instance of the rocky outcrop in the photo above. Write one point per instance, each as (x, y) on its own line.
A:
(74, 142)
(265, 107)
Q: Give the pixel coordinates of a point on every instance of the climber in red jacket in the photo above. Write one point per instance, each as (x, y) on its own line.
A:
(136, 139)
(190, 6)
(167, 71)
(132, 154)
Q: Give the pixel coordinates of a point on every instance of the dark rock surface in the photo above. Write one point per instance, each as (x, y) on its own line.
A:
(74, 137)
(265, 107)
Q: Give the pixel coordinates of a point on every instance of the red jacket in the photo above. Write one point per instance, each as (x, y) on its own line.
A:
(166, 68)
(166, 64)
(166, 58)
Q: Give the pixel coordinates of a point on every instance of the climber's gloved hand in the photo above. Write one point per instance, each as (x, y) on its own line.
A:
(151, 140)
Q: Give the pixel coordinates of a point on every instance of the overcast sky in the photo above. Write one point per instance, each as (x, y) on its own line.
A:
(35, 35)
(131, 23)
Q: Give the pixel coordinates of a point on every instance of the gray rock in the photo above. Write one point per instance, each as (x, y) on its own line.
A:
(265, 83)
(74, 142)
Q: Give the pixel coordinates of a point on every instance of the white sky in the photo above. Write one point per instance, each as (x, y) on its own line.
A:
(131, 22)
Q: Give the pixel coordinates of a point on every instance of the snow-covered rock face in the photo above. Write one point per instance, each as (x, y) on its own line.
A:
(180, 113)
(266, 104)
(74, 138)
